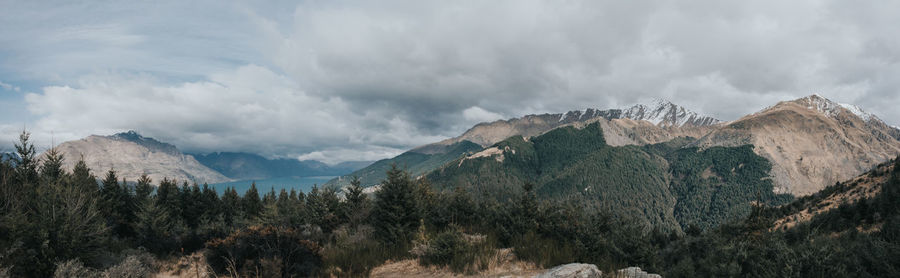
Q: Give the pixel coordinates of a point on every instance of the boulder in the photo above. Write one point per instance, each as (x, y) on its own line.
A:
(573, 270)
(635, 272)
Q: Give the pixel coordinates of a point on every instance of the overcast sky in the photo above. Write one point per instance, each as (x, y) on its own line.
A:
(346, 80)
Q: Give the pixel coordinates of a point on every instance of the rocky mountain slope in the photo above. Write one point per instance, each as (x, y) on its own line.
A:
(132, 155)
(812, 142)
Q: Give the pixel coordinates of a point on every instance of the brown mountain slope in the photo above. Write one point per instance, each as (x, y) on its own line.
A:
(867, 185)
(812, 142)
(132, 155)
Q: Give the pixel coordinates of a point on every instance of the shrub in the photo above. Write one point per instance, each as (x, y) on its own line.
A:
(543, 252)
(134, 266)
(73, 268)
(354, 252)
(264, 251)
(460, 252)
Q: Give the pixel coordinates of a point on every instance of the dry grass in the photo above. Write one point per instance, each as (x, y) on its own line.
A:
(193, 265)
(502, 263)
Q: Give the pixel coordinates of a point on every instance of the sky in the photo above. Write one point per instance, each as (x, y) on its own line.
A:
(364, 80)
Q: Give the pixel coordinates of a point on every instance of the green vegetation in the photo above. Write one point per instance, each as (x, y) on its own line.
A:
(716, 185)
(661, 185)
(858, 239)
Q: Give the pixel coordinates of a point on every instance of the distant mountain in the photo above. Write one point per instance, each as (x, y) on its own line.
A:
(244, 166)
(639, 124)
(132, 155)
(417, 163)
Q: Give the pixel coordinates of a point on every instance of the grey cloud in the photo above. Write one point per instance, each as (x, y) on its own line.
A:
(336, 80)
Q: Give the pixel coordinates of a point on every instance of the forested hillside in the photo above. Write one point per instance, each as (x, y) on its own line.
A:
(416, 163)
(859, 238)
(663, 185)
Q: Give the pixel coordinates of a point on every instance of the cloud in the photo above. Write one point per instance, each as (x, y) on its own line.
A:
(9, 87)
(249, 109)
(343, 79)
(518, 57)
(477, 115)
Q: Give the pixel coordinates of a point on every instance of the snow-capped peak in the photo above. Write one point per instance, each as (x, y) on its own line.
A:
(832, 108)
(664, 113)
(659, 112)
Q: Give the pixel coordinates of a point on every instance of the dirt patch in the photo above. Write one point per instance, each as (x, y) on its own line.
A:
(709, 174)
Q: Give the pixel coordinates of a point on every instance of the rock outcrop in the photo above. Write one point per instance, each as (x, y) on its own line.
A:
(578, 270)
(573, 270)
(634, 272)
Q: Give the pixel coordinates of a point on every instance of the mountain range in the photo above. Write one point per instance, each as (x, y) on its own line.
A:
(132, 155)
(811, 142)
(658, 162)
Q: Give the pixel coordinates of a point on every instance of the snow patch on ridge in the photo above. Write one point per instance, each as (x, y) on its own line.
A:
(832, 108)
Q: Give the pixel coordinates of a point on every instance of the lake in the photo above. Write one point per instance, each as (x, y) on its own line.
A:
(303, 184)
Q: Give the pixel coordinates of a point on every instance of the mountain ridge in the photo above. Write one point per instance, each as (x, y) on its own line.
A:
(626, 124)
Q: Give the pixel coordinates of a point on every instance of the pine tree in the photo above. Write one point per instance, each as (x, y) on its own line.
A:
(211, 206)
(26, 163)
(231, 206)
(83, 178)
(317, 209)
(355, 196)
(110, 201)
(395, 216)
(357, 203)
(156, 227)
(270, 215)
(167, 198)
(142, 190)
(190, 201)
(461, 207)
(251, 204)
(51, 168)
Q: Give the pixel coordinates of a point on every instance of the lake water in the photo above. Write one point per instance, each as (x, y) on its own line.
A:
(303, 184)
